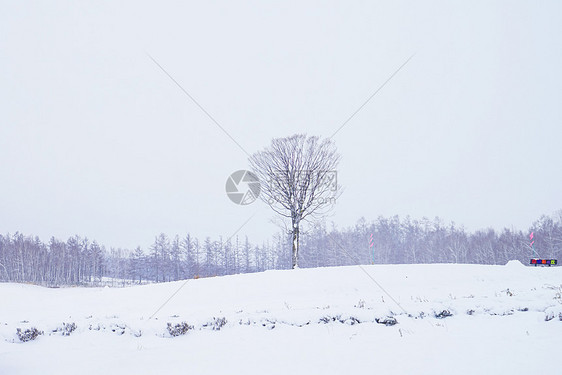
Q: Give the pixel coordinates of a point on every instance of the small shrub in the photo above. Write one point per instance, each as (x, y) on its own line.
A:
(551, 315)
(387, 321)
(216, 324)
(352, 321)
(443, 314)
(327, 319)
(178, 329)
(29, 334)
(118, 328)
(68, 328)
(268, 323)
(360, 304)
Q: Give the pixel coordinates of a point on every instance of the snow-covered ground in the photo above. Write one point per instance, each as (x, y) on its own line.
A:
(505, 320)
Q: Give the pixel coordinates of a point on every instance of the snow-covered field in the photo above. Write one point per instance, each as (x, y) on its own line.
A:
(505, 320)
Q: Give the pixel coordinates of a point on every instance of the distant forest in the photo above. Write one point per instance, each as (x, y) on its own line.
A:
(79, 261)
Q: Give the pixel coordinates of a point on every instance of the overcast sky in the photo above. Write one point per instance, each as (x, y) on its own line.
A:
(96, 140)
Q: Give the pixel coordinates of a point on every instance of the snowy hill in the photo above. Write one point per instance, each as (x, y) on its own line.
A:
(453, 319)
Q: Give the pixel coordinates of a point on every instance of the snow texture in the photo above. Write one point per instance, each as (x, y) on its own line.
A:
(432, 319)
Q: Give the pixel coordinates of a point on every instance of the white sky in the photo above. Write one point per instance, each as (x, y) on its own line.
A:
(95, 140)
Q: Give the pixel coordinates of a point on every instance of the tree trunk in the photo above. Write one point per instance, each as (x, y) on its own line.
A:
(295, 235)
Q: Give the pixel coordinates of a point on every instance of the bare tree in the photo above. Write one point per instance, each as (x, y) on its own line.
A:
(297, 179)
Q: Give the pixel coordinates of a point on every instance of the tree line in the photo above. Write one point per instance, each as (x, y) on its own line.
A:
(79, 261)
(408, 241)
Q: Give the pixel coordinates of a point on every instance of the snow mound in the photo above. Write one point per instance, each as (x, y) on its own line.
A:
(514, 264)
